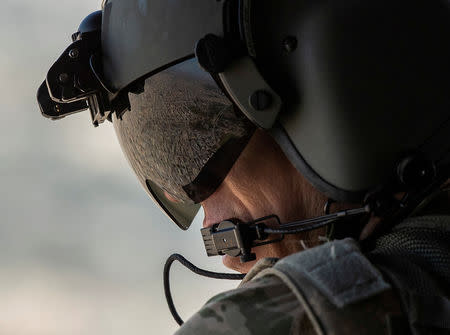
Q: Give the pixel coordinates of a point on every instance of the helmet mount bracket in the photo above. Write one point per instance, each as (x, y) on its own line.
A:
(74, 83)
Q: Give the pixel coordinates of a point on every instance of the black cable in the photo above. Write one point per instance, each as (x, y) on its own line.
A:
(298, 230)
(193, 268)
(314, 223)
(327, 218)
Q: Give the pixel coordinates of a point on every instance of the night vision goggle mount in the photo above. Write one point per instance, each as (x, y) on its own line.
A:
(74, 83)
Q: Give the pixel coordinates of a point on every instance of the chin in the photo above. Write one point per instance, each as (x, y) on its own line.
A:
(234, 263)
(289, 246)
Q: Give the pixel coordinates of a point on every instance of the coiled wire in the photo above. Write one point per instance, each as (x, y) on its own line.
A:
(193, 268)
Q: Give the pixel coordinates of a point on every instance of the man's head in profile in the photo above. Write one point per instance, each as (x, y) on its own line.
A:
(283, 109)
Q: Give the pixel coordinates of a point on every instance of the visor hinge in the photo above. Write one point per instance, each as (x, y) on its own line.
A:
(240, 77)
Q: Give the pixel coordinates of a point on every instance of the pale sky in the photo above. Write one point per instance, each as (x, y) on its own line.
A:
(82, 247)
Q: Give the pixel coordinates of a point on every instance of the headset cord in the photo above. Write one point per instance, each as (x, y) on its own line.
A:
(317, 222)
(193, 268)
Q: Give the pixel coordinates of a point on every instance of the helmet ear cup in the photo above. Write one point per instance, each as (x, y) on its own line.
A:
(368, 82)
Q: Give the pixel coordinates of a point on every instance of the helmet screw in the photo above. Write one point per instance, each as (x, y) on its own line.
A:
(260, 100)
(290, 44)
(74, 53)
(416, 170)
(63, 78)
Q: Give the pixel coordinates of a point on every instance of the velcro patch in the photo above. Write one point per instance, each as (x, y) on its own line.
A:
(337, 269)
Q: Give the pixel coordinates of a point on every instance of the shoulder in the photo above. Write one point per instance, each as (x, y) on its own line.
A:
(311, 292)
(341, 291)
(261, 306)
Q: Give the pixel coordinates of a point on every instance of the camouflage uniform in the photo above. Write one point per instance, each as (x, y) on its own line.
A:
(262, 306)
(416, 274)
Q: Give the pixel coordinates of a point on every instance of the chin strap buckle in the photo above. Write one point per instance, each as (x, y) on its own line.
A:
(229, 238)
(237, 238)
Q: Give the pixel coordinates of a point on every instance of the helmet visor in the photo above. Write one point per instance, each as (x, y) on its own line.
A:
(181, 137)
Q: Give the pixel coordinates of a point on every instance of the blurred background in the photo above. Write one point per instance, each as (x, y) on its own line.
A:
(82, 247)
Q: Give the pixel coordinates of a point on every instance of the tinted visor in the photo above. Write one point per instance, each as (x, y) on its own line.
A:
(181, 137)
